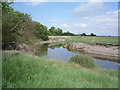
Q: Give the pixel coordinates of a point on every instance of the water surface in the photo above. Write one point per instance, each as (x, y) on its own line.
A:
(63, 54)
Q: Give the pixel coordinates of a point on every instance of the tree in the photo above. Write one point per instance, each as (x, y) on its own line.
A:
(83, 34)
(40, 30)
(52, 31)
(58, 32)
(18, 28)
(55, 32)
(92, 34)
(68, 34)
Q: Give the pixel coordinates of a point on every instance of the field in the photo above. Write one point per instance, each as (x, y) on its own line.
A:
(40, 50)
(88, 39)
(27, 71)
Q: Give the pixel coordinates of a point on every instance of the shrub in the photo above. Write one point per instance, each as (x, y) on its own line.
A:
(83, 60)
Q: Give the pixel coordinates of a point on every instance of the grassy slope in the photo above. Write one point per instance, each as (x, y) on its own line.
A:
(25, 71)
(90, 40)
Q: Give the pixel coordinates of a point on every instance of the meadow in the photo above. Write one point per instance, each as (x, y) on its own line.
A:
(88, 39)
(28, 71)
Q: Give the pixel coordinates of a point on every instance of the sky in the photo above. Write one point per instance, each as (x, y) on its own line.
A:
(100, 18)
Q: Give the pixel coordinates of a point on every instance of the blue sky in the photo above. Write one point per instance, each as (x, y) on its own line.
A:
(77, 17)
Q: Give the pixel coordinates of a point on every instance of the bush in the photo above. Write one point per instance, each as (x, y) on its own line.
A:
(83, 60)
(44, 37)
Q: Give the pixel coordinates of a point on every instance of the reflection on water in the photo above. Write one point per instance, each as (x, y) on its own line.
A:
(57, 52)
(42, 50)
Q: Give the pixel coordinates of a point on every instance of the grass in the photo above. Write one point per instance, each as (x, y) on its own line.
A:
(26, 71)
(83, 60)
(94, 40)
(89, 40)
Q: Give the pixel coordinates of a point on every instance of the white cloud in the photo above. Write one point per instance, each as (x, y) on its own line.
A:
(104, 24)
(97, 21)
(88, 9)
(66, 26)
(81, 25)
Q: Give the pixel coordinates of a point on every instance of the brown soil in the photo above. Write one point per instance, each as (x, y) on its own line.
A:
(96, 50)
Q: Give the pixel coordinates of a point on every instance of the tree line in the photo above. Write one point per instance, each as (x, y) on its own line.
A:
(59, 32)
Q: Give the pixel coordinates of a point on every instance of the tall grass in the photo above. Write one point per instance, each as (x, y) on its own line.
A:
(25, 71)
(83, 60)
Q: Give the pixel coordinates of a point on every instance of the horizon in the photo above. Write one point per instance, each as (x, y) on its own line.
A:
(100, 18)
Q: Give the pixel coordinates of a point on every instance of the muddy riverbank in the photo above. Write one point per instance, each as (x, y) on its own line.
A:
(37, 47)
(96, 50)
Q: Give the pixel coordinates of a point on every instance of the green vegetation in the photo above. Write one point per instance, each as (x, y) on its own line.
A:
(94, 40)
(27, 71)
(40, 30)
(19, 28)
(88, 39)
(92, 34)
(55, 32)
(58, 45)
(84, 34)
(68, 34)
(33, 72)
(59, 32)
(83, 60)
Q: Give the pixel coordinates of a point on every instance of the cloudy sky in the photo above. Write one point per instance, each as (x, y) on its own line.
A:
(100, 18)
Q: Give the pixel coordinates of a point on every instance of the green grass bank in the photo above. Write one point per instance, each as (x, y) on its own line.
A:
(27, 71)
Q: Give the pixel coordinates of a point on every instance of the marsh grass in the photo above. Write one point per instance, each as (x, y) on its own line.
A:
(89, 39)
(27, 71)
(83, 60)
(94, 40)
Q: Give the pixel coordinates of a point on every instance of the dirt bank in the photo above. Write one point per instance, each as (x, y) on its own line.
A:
(96, 50)
(50, 41)
(37, 47)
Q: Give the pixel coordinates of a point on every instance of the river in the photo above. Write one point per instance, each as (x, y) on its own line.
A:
(57, 52)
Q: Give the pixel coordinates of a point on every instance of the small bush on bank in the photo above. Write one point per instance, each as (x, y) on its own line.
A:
(83, 60)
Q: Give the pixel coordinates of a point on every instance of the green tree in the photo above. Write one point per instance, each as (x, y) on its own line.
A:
(40, 30)
(58, 32)
(51, 31)
(68, 34)
(16, 27)
(92, 34)
(83, 34)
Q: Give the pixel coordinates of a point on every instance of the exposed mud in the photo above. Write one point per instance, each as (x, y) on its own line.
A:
(97, 51)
